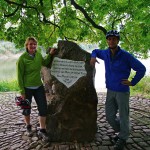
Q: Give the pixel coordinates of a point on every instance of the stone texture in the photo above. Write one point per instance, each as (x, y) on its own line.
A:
(13, 136)
(72, 112)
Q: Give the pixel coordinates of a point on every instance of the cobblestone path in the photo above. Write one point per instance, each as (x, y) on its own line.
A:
(12, 128)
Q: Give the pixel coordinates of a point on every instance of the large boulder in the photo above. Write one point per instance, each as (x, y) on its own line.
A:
(72, 111)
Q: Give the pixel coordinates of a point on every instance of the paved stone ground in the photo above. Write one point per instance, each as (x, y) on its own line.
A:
(13, 137)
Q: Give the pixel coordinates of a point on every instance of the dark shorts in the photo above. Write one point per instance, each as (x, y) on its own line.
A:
(40, 98)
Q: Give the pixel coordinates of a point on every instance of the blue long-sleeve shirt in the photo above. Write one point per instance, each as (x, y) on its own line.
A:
(119, 67)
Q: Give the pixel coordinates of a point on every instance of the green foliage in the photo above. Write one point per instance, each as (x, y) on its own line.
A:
(80, 21)
(142, 88)
(8, 85)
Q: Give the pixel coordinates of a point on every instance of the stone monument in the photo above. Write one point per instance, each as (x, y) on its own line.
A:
(72, 99)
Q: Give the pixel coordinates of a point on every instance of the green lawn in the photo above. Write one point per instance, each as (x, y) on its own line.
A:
(142, 88)
(8, 85)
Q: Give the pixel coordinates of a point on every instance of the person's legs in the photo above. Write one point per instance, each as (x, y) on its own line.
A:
(27, 112)
(40, 99)
(42, 133)
(27, 120)
(111, 109)
(42, 121)
(123, 104)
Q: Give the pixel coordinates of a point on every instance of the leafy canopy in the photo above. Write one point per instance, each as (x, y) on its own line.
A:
(77, 20)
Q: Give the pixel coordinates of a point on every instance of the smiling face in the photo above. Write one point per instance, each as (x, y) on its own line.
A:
(112, 42)
(31, 46)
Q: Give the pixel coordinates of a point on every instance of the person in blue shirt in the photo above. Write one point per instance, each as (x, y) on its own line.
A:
(118, 65)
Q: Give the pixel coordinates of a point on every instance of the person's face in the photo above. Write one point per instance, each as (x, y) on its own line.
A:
(112, 42)
(31, 46)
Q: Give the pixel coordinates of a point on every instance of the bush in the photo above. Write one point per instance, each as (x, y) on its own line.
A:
(142, 88)
(8, 85)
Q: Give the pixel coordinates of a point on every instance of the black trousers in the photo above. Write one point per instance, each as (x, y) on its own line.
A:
(40, 98)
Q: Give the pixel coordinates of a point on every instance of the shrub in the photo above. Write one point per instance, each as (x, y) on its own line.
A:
(142, 88)
(8, 85)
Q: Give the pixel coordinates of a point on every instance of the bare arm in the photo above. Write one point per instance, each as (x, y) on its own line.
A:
(93, 61)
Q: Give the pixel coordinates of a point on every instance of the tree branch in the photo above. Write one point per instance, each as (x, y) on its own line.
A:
(30, 7)
(87, 17)
(116, 20)
(85, 24)
(12, 14)
(53, 12)
(49, 22)
(21, 5)
(41, 3)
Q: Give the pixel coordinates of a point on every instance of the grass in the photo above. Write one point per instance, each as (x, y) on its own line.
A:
(8, 85)
(141, 89)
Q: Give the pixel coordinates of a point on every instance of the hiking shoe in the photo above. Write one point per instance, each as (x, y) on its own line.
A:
(119, 144)
(114, 139)
(43, 134)
(29, 130)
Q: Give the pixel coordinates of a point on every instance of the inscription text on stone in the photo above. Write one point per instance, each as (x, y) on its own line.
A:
(68, 71)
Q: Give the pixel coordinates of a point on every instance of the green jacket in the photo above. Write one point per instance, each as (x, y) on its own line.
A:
(29, 70)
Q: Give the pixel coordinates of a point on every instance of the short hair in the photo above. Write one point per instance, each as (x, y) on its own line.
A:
(27, 41)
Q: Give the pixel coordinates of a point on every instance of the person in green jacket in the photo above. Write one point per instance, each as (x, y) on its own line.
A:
(30, 84)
